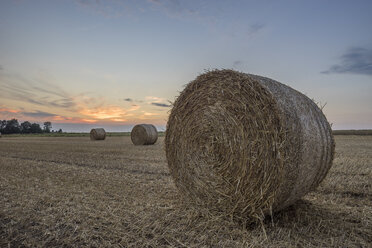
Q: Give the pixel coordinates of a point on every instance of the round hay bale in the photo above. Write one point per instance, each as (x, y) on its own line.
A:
(97, 134)
(144, 134)
(246, 144)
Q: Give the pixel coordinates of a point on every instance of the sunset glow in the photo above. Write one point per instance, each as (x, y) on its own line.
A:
(110, 112)
(8, 110)
(119, 63)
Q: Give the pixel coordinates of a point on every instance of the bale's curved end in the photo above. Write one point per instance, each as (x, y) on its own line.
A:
(233, 144)
(144, 134)
(97, 134)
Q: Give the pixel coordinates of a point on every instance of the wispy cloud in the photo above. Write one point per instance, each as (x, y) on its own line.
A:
(132, 100)
(119, 8)
(104, 116)
(154, 1)
(8, 110)
(205, 13)
(38, 114)
(158, 101)
(134, 107)
(101, 113)
(8, 113)
(161, 104)
(107, 8)
(155, 99)
(355, 60)
(33, 91)
(152, 100)
(147, 115)
(175, 8)
(45, 100)
(64, 119)
(255, 28)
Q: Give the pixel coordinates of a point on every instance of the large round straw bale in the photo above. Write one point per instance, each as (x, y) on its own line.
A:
(97, 134)
(246, 144)
(144, 134)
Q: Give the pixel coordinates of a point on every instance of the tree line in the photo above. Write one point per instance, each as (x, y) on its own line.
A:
(12, 126)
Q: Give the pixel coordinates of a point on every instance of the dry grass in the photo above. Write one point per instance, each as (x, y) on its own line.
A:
(68, 191)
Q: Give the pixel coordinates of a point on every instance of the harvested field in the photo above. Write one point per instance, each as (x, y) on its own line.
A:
(69, 191)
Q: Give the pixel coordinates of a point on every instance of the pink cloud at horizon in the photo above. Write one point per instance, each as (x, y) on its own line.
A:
(9, 110)
(106, 115)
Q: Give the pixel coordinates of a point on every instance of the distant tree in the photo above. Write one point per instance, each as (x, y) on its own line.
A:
(12, 126)
(35, 128)
(26, 127)
(2, 125)
(47, 126)
(60, 130)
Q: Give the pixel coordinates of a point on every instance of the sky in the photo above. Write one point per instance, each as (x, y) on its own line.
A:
(116, 63)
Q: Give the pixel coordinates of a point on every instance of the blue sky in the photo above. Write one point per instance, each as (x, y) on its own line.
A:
(116, 63)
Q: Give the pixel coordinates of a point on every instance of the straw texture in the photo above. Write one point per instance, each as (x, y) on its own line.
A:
(245, 144)
(97, 134)
(144, 134)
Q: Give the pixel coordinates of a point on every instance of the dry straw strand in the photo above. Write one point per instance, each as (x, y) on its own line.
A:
(144, 134)
(246, 144)
(97, 134)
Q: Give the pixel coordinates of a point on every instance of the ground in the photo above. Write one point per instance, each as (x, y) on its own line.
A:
(70, 191)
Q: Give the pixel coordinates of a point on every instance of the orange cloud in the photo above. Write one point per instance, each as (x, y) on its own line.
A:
(134, 108)
(155, 99)
(59, 118)
(149, 114)
(88, 120)
(92, 108)
(119, 120)
(9, 110)
(44, 101)
(101, 113)
(87, 109)
(64, 119)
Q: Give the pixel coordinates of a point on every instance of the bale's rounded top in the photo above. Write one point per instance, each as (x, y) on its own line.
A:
(96, 130)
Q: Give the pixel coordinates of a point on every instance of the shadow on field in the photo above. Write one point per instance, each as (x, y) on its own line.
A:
(312, 222)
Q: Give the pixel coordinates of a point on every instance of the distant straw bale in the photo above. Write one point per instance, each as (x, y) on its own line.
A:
(144, 134)
(97, 134)
(246, 144)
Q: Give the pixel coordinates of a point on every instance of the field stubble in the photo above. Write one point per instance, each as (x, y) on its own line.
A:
(70, 191)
